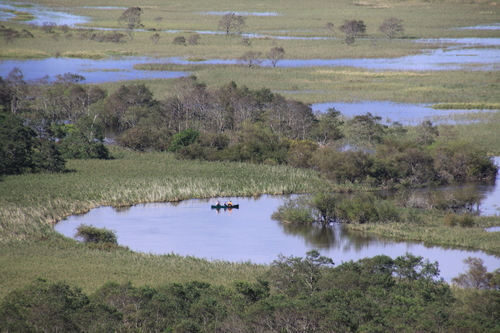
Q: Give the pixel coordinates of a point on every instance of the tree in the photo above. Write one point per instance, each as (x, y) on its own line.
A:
(158, 19)
(15, 87)
(16, 145)
(85, 140)
(364, 129)
(155, 38)
(179, 40)
(132, 19)
(475, 277)
(183, 139)
(275, 55)
(250, 59)
(293, 276)
(91, 234)
(391, 27)
(193, 39)
(232, 21)
(328, 128)
(352, 29)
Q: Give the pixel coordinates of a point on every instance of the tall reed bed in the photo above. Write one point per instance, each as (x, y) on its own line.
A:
(31, 203)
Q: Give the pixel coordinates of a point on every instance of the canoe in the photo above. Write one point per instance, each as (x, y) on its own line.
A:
(225, 206)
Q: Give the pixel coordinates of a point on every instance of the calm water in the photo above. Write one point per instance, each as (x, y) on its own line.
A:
(192, 228)
(406, 114)
(117, 69)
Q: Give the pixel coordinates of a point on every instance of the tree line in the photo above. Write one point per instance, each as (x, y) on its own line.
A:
(231, 123)
(296, 294)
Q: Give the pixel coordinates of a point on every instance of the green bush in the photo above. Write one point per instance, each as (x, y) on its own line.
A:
(184, 139)
(295, 210)
(91, 234)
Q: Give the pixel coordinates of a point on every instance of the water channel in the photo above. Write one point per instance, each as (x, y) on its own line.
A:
(248, 234)
(192, 228)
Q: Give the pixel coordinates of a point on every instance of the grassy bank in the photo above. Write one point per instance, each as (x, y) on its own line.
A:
(66, 260)
(265, 21)
(326, 84)
(32, 203)
(432, 231)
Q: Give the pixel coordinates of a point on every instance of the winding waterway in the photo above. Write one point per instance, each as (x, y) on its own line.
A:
(192, 228)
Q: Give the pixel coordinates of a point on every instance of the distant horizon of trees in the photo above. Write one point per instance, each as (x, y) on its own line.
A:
(234, 123)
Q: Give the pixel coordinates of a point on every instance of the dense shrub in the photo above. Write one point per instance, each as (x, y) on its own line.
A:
(91, 234)
(294, 210)
(183, 139)
(378, 294)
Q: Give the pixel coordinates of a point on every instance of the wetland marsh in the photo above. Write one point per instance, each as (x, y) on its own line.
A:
(448, 54)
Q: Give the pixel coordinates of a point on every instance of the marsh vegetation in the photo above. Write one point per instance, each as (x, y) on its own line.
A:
(180, 135)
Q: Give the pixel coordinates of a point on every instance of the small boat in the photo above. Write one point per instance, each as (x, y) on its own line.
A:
(225, 206)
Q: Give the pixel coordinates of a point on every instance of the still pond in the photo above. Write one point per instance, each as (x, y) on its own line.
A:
(192, 228)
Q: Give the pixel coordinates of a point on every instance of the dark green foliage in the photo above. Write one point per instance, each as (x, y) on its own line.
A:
(253, 292)
(295, 276)
(365, 129)
(457, 161)
(359, 209)
(183, 139)
(343, 166)
(48, 158)
(16, 145)
(179, 40)
(91, 234)
(300, 153)
(48, 307)
(325, 208)
(21, 150)
(378, 294)
(329, 127)
(85, 140)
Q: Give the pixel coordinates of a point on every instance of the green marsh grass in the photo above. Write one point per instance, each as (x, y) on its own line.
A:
(20, 16)
(32, 203)
(467, 106)
(295, 18)
(432, 231)
(66, 260)
(421, 19)
(343, 84)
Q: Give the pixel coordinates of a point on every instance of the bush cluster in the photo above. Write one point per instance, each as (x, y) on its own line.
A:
(376, 294)
(234, 123)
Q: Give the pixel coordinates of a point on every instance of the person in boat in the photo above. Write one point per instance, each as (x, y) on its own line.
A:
(217, 203)
(230, 203)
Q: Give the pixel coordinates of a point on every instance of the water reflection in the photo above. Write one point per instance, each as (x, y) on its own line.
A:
(94, 71)
(44, 14)
(406, 114)
(192, 228)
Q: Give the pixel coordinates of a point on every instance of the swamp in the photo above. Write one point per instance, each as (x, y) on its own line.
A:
(359, 138)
